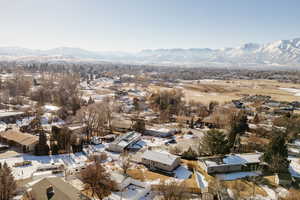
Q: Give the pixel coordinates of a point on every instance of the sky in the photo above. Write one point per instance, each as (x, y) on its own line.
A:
(133, 25)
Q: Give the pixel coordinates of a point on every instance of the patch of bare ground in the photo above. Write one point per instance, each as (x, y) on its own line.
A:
(245, 188)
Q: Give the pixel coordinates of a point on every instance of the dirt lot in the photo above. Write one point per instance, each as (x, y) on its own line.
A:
(224, 91)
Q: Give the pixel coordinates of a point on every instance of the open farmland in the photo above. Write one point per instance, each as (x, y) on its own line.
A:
(223, 91)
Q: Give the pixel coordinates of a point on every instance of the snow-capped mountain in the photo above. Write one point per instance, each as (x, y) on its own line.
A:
(277, 53)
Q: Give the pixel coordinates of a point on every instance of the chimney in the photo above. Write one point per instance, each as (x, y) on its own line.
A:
(50, 192)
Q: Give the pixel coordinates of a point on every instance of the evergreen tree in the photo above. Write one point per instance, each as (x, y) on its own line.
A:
(139, 126)
(238, 125)
(42, 148)
(190, 154)
(214, 142)
(276, 154)
(54, 149)
(192, 123)
(91, 101)
(212, 105)
(256, 119)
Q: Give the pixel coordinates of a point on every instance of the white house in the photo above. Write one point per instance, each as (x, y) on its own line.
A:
(124, 141)
(160, 160)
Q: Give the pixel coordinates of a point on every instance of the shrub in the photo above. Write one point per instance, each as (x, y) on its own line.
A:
(190, 154)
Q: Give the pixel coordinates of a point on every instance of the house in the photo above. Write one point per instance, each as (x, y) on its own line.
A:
(124, 141)
(55, 188)
(3, 147)
(76, 128)
(282, 111)
(160, 160)
(3, 126)
(160, 132)
(296, 105)
(24, 141)
(231, 163)
(273, 104)
(10, 116)
(121, 125)
(294, 148)
(128, 188)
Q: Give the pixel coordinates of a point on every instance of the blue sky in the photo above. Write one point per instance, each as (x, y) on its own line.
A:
(132, 25)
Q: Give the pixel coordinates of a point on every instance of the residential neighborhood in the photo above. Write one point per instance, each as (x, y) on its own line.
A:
(137, 142)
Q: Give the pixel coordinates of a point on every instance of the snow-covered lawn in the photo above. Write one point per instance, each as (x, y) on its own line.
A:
(49, 108)
(154, 142)
(3, 126)
(202, 183)
(237, 175)
(182, 172)
(271, 193)
(292, 90)
(294, 168)
(132, 192)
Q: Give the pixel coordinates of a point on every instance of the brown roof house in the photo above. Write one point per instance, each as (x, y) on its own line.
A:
(55, 188)
(24, 141)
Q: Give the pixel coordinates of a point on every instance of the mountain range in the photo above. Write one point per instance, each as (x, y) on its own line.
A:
(277, 53)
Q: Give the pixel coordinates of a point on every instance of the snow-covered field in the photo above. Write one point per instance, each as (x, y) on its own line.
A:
(292, 90)
(201, 181)
(237, 175)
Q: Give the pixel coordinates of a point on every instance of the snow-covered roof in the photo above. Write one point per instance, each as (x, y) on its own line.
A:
(242, 158)
(3, 126)
(161, 157)
(9, 113)
(51, 108)
(234, 159)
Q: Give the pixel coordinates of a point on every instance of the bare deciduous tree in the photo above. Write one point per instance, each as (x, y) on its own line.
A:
(8, 185)
(125, 162)
(173, 191)
(97, 180)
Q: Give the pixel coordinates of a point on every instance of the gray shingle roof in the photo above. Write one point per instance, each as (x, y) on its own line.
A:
(62, 190)
(160, 157)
